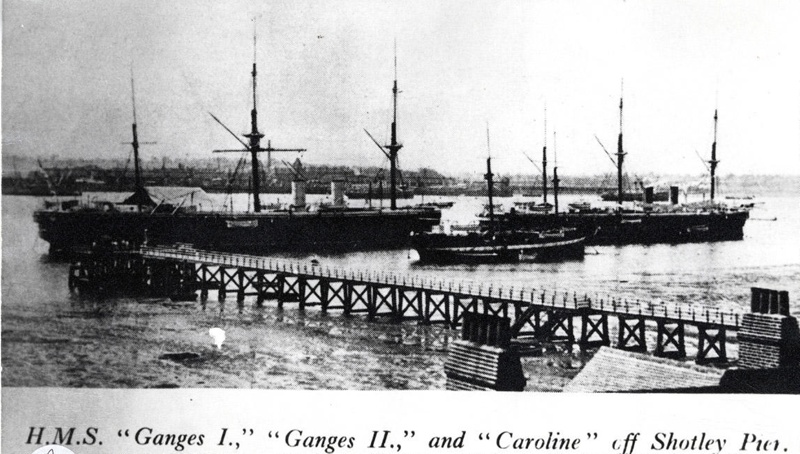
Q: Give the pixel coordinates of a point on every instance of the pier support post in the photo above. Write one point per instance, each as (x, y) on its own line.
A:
(300, 288)
(363, 297)
(202, 277)
(437, 304)
(711, 345)
(420, 309)
(323, 290)
(372, 301)
(541, 325)
(171, 278)
(333, 291)
(393, 302)
(594, 330)
(75, 270)
(381, 298)
(160, 278)
(525, 318)
(182, 281)
(631, 334)
(409, 299)
(460, 308)
(278, 286)
(259, 288)
(347, 297)
(271, 287)
(670, 343)
(278, 291)
(222, 293)
(241, 285)
(289, 289)
(501, 309)
(559, 327)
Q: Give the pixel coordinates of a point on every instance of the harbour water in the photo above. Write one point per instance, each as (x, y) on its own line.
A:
(53, 338)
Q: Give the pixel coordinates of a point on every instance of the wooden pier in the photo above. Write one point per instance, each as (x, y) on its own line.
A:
(535, 315)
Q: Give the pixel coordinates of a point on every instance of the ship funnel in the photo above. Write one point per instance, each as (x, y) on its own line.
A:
(673, 195)
(337, 192)
(648, 195)
(298, 194)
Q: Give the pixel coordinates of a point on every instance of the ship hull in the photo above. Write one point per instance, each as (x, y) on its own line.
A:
(478, 248)
(638, 228)
(264, 232)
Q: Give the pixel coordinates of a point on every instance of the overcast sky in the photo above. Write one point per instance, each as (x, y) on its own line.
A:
(326, 70)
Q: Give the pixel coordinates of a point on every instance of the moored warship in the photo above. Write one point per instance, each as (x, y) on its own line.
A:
(651, 223)
(142, 217)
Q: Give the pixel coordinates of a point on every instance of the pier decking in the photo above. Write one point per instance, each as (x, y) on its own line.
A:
(538, 315)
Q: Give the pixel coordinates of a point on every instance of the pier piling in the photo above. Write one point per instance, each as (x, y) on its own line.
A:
(534, 315)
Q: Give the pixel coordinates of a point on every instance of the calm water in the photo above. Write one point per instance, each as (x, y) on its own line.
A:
(53, 338)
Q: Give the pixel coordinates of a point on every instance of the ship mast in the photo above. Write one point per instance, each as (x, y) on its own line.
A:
(394, 146)
(620, 158)
(135, 143)
(555, 174)
(254, 138)
(714, 160)
(544, 160)
(489, 181)
(139, 192)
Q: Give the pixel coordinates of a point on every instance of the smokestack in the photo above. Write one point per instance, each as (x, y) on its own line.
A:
(337, 192)
(648, 194)
(298, 194)
(673, 195)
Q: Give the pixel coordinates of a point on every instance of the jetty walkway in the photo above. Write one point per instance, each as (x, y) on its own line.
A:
(535, 315)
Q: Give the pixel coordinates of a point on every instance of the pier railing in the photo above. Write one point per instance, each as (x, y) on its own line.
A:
(521, 295)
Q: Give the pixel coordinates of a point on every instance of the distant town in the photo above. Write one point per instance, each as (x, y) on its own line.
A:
(25, 175)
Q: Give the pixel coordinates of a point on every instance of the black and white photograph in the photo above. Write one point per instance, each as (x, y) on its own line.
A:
(522, 196)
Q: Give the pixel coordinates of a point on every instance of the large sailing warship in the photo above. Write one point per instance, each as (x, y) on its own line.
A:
(651, 223)
(144, 217)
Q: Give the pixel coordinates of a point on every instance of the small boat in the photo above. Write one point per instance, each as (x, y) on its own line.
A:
(440, 205)
(742, 197)
(466, 228)
(578, 207)
(492, 245)
(271, 206)
(508, 246)
(533, 207)
(496, 207)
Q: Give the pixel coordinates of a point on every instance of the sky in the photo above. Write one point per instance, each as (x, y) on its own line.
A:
(326, 71)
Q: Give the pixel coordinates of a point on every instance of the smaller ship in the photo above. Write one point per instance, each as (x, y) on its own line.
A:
(492, 245)
(504, 246)
(440, 205)
(579, 206)
(533, 207)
